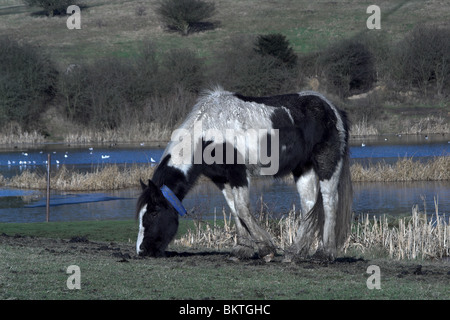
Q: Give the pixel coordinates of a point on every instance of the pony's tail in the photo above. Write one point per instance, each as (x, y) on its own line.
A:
(345, 201)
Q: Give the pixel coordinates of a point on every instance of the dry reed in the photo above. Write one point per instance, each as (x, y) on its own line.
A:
(109, 177)
(413, 237)
(405, 169)
(363, 128)
(131, 132)
(210, 234)
(427, 125)
(14, 137)
(113, 177)
(219, 235)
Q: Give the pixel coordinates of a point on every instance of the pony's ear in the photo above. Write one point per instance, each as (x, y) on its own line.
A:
(152, 188)
(157, 198)
(151, 184)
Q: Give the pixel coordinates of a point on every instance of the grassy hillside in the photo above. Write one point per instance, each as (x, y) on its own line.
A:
(118, 28)
(114, 28)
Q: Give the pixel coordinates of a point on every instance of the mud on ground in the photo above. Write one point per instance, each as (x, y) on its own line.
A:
(426, 273)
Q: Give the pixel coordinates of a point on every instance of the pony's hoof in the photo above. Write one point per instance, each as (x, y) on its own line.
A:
(268, 257)
(243, 252)
(266, 251)
(322, 255)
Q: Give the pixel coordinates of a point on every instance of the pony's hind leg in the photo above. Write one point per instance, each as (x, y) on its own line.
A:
(308, 188)
(329, 191)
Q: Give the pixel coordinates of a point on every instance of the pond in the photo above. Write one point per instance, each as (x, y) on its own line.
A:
(277, 197)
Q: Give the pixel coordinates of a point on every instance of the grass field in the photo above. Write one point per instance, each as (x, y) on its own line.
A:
(113, 27)
(35, 257)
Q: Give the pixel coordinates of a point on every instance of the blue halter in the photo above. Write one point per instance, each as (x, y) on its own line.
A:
(174, 201)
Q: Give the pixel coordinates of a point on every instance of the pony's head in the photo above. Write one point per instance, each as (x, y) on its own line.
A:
(158, 221)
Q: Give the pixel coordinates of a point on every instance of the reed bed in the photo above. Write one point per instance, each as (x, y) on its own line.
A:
(363, 128)
(131, 132)
(112, 177)
(219, 234)
(21, 137)
(109, 177)
(216, 234)
(414, 237)
(405, 169)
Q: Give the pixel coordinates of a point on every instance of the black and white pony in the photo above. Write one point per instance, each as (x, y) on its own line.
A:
(229, 138)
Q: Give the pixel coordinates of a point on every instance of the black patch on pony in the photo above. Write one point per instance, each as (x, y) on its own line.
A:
(308, 135)
(233, 174)
(171, 177)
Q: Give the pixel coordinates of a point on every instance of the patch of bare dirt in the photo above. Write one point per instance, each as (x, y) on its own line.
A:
(428, 271)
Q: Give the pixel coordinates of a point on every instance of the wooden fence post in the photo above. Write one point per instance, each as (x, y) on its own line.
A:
(48, 188)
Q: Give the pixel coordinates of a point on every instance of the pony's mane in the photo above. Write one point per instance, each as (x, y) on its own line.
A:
(150, 195)
(215, 90)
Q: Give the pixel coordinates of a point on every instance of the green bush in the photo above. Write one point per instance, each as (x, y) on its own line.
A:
(27, 83)
(277, 46)
(51, 7)
(184, 15)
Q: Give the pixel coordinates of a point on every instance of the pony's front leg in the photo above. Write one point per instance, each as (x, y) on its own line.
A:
(250, 234)
(244, 246)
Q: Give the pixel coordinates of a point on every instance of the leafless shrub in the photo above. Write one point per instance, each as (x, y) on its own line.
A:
(422, 60)
(243, 69)
(348, 67)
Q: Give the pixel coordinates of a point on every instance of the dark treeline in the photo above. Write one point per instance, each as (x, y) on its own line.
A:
(155, 87)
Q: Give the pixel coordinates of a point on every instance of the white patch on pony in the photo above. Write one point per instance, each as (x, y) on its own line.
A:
(289, 114)
(140, 237)
(228, 194)
(308, 188)
(221, 111)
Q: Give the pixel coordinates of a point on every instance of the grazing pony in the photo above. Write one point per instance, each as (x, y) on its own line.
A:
(229, 138)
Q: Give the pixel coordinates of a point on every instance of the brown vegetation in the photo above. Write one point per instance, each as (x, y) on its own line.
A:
(412, 237)
(405, 169)
(111, 177)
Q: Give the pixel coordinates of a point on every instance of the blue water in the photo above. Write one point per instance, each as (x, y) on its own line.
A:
(278, 197)
(89, 157)
(400, 151)
(83, 158)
